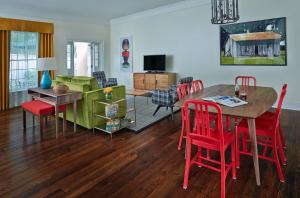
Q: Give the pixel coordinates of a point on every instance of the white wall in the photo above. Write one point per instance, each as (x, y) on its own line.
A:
(192, 44)
(67, 30)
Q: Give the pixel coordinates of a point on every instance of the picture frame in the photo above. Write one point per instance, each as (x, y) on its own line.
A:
(126, 49)
(256, 43)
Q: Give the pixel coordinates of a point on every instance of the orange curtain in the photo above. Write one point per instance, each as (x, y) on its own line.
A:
(26, 26)
(4, 69)
(46, 50)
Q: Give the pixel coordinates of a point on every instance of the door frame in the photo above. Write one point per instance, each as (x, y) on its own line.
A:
(101, 55)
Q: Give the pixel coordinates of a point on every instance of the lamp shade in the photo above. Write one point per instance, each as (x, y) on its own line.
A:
(44, 64)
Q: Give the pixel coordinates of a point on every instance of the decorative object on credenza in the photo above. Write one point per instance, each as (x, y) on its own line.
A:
(60, 89)
(126, 53)
(108, 93)
(254, 43)
(224, 11)
(46, 64)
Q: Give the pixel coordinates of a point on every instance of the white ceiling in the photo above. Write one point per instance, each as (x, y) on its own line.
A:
(83, 10)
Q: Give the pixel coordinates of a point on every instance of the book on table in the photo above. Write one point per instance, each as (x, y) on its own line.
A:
(229, 101)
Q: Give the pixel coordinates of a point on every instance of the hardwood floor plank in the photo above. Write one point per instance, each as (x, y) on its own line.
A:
(147, 164)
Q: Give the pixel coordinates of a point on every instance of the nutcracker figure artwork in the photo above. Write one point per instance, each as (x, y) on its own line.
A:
(126, 53)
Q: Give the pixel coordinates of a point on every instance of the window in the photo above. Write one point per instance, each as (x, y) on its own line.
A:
(23, 59)
(83, 58)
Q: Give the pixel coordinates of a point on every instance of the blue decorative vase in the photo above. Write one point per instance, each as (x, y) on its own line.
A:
(46, 80)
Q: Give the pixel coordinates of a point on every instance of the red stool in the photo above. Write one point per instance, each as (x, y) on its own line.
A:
(42, 110)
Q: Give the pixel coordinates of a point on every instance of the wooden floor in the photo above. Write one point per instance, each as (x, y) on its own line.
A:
(133, 165)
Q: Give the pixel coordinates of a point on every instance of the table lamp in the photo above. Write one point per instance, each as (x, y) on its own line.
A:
(46, 64)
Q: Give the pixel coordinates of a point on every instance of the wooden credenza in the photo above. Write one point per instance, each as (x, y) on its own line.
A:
(150, 81)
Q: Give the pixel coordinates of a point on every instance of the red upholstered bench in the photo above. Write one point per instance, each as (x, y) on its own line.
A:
(42, 110)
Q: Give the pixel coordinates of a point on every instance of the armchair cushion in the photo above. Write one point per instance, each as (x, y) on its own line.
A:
(102, 82)
(188, 80)
(165, 97)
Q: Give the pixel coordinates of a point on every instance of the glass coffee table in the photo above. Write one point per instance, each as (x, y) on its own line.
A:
(135, 93)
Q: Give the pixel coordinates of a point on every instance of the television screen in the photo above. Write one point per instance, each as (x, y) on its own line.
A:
(154, 62)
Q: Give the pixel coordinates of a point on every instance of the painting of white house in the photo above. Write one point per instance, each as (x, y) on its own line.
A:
(254, 43)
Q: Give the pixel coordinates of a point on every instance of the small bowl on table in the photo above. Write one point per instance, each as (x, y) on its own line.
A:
(60, 89)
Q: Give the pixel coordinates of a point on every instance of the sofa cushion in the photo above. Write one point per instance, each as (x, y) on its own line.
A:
(79, 87)
(63, 78)
(86, 80)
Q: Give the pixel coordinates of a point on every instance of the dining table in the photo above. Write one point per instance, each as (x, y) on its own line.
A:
(259, 100)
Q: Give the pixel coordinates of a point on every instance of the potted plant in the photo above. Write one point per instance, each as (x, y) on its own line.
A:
(108, 93)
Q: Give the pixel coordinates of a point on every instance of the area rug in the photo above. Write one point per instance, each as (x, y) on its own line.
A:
(144, 113)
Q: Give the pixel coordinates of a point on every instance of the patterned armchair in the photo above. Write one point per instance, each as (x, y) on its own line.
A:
(167, 98)
(102, 82)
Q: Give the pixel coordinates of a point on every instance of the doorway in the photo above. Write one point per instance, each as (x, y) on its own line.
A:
(84, 58)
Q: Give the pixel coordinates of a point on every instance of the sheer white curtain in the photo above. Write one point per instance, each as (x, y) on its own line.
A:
(22, 71)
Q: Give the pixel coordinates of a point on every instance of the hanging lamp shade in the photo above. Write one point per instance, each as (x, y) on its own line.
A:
(224, 11)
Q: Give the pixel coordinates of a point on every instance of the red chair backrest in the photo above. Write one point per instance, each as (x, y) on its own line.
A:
(202, 131)
(279, 105)
(246, 80)
(197, 85)
(183, 90)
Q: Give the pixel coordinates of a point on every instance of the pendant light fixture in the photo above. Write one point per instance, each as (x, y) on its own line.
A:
(224, 11)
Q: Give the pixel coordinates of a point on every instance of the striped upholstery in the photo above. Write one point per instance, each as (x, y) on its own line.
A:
(165, 97)
(102, 82)
(188, 80)
(169, 97)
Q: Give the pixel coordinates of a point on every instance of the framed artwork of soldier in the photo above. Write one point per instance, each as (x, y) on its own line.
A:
(126, 54)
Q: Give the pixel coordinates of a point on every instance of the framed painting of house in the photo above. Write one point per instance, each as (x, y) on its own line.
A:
(254, 43)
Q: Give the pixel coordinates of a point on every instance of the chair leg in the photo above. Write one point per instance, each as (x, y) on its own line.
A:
(237, 146)
(233, 160)
(156, 110)
(64, 121)
(223, 174)
(244, 142)
(181, 135)
(172, 113)
(41, 125)
(199, 158)
(227, 123)
(46, 120)
(187, 164)
(33, 120)
(24, 120)
(281, 153)
(279, 170)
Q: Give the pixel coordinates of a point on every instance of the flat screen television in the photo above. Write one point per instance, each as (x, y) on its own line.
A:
(155, 62)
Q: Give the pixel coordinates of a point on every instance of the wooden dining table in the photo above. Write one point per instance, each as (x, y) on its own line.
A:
(260, 100)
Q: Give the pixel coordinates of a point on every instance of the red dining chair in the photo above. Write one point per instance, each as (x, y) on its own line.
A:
(269, 115)
(244, 81)
(204, 136)
(268, 137)
(197, 85)
(182, 91)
